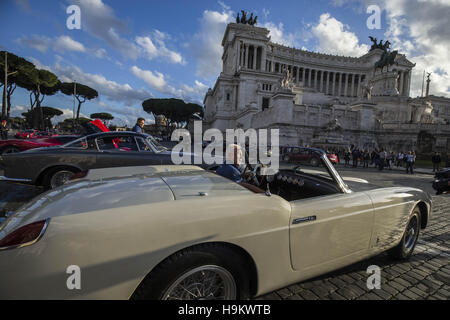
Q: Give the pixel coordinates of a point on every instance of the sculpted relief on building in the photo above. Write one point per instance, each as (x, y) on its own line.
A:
(268, 85)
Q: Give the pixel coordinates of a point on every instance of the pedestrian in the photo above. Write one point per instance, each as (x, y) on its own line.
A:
(4, 130)
(139, 127)
(388, 159)
(410, 159)
(347, 158)
(356, 155)
(400, 159)
(382, 160)
(366, 158)
(436, 159)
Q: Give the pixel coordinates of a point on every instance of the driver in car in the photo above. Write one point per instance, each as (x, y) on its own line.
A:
(233, 159)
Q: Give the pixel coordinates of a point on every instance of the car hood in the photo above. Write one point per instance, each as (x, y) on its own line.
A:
(112, 188)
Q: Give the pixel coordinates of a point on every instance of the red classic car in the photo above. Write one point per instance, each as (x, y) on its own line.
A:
(18, 145)
(26, 134)
(304, 155)
(34, 134)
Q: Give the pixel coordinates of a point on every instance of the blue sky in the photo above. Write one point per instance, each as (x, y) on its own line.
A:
(133, 50)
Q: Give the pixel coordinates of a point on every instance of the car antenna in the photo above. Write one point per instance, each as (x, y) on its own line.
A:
(268, 190)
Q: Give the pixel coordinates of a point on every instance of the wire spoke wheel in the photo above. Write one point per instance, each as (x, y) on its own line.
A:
(60, 178)
(208, 282)
(411, 233)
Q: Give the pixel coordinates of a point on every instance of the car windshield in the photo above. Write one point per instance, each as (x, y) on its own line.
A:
(155, 144)
(305, 173)
(77, 144)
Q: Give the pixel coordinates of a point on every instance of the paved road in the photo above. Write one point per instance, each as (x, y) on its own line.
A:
(425, 276)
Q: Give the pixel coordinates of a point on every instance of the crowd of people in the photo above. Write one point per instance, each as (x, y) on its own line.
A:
(383, 159)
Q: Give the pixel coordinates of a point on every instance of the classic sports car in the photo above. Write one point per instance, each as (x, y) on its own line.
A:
(305, 156)
(26, 134)
(18, 145)
(180, 232)
(34, 134)
(51, 167)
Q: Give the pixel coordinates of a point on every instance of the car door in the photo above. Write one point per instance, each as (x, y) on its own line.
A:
(330, 230)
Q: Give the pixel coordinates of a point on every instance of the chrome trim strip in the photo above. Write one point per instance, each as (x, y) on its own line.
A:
(3, 178)
(47, 222)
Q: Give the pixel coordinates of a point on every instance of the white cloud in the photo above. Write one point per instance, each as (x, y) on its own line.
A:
(39, 43)
(60, 44)
(207, 42)
(420, 30)
(100, 20)
(106, 88)
(152, 51)
(335, 38)
(280, 36)
(157, 81)
(66, 43)
(154, 80)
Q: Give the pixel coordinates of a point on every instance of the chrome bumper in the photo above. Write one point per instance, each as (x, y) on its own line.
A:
(3, 178)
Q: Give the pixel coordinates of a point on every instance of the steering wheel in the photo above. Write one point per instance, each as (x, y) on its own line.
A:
(252, 175)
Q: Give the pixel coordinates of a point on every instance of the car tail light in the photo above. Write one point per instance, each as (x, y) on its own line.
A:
(24, 236)
(79, 175)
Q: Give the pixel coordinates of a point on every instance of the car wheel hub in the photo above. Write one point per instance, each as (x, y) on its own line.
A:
(410, 238)
(60, 178)
(203, 283)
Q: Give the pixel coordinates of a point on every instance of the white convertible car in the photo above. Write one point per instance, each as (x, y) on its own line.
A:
(180, 232)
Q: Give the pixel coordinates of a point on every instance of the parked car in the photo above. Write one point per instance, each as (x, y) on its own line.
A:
(53, 166)
(441, 181)
(151, 232)
(305, 156)
(25, 134)
(34, 134)
(18, 145)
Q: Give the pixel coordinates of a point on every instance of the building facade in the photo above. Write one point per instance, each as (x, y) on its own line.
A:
(320, 99)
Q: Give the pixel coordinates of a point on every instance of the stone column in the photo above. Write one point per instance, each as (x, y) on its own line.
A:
(255, 56)
(340, 84)
(358, 94)
(272, 66)
(238, 55)
(310, 78)
(297, 75)
(304, 76)
(247, 47)
(327, 87)
(400, 86)
(353, 86)
(346, 85)
(408, 82)
(263, 59)
(321, 80)
(334, 84)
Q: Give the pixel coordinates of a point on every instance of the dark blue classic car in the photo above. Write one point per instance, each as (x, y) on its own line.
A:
(53, 166)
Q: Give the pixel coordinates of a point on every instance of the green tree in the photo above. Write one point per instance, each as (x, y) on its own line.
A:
(15, 63)
(47, 112)
(82, 93)
(176, 111)
(40, 83)
(106, 117)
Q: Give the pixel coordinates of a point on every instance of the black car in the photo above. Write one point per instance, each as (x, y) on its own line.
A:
(442, 181)
(53, 166)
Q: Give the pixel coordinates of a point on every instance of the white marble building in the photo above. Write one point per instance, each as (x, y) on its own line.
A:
(325, 102)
